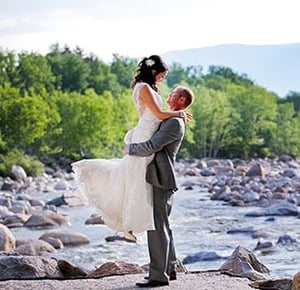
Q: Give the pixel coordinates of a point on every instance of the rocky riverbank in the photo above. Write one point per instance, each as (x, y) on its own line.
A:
(273, 186)
(200, 281)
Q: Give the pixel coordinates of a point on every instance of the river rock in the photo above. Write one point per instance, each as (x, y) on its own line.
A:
(46, 218)
(16, 266)
(201, 256)
(256, 170)
(296, 281)
(95, 219)
(244, 263)
(285, 158)
(61, 185)
(7, 239)
(286, 239)
(18, 172)
(71, 271)
(68, 238)
(34, 247)
(54, 242)
(57, 201)
(281, 209)
(15, 220)
(116, 268)
(8, 185)
(274, 284)
(20, 209)
(263, 245)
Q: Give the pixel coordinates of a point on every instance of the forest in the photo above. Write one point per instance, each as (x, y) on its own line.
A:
(67, 105)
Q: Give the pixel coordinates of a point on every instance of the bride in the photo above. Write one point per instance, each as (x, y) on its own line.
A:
(117, 187)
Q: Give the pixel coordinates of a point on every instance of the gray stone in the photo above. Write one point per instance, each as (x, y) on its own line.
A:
(15, 266)
(244, 263)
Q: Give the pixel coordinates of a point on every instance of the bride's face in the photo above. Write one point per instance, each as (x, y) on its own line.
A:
(160, 76)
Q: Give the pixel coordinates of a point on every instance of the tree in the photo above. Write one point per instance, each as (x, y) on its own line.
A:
(85, 124)
(124, 69)
(294, 98)
(70, 69)
(176, 75)
(285, 139)
(253, 117)
(7, 67)
(34, 73)
(211, 113)
(23, 118)
(101, 78)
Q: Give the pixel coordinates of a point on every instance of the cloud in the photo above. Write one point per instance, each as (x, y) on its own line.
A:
(138, 28)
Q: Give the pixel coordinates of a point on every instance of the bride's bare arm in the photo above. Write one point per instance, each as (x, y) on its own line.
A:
(148, 100)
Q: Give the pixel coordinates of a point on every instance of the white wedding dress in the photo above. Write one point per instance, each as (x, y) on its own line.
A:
(117, 187)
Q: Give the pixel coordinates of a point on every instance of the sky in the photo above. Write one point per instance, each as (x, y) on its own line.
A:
(138, 28)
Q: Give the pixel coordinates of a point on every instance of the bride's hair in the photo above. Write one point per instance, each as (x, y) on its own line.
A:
(145, 69)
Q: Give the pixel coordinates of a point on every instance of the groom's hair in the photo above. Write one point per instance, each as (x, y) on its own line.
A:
(187, 94)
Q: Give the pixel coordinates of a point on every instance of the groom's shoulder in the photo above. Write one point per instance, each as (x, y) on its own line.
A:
(173, 124)
(173, 120)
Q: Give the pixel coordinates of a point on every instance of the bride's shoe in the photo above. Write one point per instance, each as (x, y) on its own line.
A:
(130, 236)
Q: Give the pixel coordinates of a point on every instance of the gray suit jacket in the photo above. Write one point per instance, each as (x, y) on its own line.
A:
(165, 143)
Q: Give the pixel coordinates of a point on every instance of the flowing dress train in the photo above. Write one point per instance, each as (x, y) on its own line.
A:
(117, 187)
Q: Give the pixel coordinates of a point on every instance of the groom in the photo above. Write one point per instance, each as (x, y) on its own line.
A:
(165, 144)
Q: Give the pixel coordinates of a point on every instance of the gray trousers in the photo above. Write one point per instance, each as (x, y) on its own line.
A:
(160, 241)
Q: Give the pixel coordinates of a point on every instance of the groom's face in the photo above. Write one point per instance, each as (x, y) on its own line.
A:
(175, 100)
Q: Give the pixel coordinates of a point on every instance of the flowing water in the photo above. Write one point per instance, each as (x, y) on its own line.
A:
(199, 225)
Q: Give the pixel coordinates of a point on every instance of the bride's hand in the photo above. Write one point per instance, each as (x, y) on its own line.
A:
(189, 116)
(186, 116)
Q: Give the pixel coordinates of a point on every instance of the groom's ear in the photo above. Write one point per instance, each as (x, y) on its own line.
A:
(181, 102)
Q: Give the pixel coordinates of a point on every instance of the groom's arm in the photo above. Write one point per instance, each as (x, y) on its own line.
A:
(169, 131)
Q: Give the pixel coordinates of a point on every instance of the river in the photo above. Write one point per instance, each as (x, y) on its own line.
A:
(199, 225)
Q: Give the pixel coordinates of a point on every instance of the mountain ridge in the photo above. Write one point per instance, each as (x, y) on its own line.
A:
(274, 67)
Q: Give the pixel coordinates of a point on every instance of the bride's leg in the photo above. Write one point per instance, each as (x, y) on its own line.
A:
(130, 236)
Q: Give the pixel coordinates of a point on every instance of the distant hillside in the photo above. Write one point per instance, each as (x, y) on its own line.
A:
(274, 67)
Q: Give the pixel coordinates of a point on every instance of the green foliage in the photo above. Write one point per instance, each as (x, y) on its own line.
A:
(71, 70)
(30, 164)
(227, 74)
(7, 67)
(294, 98)
(254, 112)
(23, 118)
(33, 73)
(85, 123)
(285, 139)
(124, 69)
(211, 113)
(66, 105)
(101, 79)
(176, 75)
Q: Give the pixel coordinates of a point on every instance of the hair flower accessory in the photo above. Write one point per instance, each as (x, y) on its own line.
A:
(150, 62)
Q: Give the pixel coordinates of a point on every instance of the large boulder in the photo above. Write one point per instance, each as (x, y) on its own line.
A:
(7, 239)
(244, 263)
(15, 266)
(18, 172)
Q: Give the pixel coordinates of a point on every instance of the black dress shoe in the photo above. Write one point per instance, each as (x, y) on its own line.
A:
(152, 283)
(172, 276)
